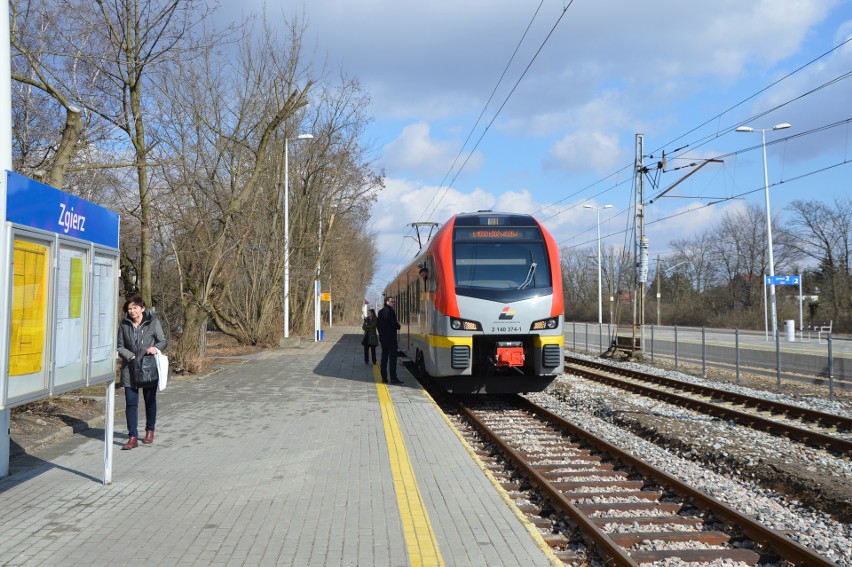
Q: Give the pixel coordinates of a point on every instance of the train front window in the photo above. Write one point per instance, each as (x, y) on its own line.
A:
(503, 266)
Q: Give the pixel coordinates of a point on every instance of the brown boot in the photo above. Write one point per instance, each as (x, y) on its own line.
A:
(149, 436)
(132, 443)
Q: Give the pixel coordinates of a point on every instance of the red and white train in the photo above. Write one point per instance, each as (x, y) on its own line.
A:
(481, 306)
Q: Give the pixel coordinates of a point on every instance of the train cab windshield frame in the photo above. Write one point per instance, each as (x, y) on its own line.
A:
(501, 268)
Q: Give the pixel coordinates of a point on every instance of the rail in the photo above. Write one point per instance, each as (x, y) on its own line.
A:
(803, 435)
(580, 505)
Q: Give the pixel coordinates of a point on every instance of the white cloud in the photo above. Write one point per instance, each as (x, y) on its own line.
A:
(606, 72)
(416, 152)
(595, 150)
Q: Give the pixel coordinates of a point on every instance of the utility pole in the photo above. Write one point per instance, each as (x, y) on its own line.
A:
(641, 244)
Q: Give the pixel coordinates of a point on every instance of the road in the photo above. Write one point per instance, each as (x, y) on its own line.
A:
(807, 358)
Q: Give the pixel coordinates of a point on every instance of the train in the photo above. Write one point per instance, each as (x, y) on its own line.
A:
(481, 306)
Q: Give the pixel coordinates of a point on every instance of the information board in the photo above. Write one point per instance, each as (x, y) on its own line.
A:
(63, 314)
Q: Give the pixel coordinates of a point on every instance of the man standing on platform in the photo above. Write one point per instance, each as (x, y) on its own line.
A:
(387, 327)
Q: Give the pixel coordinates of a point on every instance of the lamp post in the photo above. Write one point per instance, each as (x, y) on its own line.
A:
(287, 233)
(600, 290)
(317, 284)
(772, 303)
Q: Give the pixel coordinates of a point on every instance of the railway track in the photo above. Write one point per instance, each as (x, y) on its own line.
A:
(625, 510)
(814, 428)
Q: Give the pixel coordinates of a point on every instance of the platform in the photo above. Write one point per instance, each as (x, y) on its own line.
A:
(295, 456)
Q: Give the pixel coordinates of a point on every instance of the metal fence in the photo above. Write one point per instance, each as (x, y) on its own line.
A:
(817, 357)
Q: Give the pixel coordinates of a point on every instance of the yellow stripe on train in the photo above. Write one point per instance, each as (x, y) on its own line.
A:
(448, 342)
(549, 340)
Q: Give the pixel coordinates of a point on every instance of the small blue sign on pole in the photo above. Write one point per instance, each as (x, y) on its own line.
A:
(782, 280)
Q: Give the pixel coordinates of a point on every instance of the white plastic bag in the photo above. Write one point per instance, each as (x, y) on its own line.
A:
(162, 370)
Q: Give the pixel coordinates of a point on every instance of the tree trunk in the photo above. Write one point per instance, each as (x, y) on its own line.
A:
(191, 347)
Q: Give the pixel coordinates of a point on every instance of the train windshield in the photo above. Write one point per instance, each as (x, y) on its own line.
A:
(516, 266)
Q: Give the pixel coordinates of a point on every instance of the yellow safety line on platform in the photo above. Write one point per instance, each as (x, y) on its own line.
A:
(422, 545)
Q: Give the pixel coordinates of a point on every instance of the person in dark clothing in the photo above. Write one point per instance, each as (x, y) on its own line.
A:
(140, 336)
(387, 327)
(371, 337)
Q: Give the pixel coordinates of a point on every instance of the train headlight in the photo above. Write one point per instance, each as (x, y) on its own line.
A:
(464, 325)
(549, 323)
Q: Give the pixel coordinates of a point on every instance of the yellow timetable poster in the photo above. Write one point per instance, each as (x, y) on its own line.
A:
(29, 308)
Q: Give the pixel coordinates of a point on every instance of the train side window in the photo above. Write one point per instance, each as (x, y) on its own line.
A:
(431, 283)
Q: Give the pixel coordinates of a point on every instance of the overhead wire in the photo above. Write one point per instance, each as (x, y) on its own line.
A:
(844, 161)
(491, 97)
(502, 105)
(706, 139)
(691, 146)
(484, 110)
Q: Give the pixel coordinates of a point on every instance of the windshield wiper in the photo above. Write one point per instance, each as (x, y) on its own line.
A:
(530, 275)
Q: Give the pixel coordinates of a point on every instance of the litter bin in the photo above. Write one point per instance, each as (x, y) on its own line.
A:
(790, 330)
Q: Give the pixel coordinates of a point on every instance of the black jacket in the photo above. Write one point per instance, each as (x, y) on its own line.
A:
(142, 371)
(387, 327)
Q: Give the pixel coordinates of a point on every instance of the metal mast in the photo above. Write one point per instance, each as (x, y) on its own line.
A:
(641, 243)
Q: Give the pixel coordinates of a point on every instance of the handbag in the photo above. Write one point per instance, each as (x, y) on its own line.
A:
(162, 370)
(364, 340)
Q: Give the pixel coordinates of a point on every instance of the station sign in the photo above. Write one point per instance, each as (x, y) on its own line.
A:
(34, 204)
(783, 280)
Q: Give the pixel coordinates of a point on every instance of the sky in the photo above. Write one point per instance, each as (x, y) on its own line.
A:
(534, 106)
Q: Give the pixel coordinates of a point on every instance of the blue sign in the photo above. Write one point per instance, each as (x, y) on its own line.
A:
(34, 204)
(782, 280)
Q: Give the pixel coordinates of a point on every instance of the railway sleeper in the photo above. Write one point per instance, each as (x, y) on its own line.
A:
(528, 455)
(568, 485)
(597, 476)
(661, 507)
(710, 537)
(623, 494)
(547, 469)
(695, 555)
(570, 476)
(612, 521)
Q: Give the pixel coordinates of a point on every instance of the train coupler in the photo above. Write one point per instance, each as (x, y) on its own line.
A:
(510, 353)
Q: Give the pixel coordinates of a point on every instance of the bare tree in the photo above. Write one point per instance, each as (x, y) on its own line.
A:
(44, 144)
(128, 44)
(823, 233)
(335, 185)
(579, 282)
(738, 250)
(225, 124)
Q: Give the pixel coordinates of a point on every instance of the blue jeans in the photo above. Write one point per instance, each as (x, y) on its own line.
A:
(388, 359)
(131, 401)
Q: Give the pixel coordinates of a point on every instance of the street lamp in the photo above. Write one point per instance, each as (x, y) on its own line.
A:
(600, 290)
(287, 232)
(782, 126)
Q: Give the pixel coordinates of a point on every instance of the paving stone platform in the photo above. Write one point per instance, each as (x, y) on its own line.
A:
(294, 456)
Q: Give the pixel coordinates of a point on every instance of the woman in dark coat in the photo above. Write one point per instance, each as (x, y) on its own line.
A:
(371, 336)
(140, 336)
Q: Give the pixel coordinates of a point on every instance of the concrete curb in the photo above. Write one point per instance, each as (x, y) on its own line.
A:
(62, 433)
